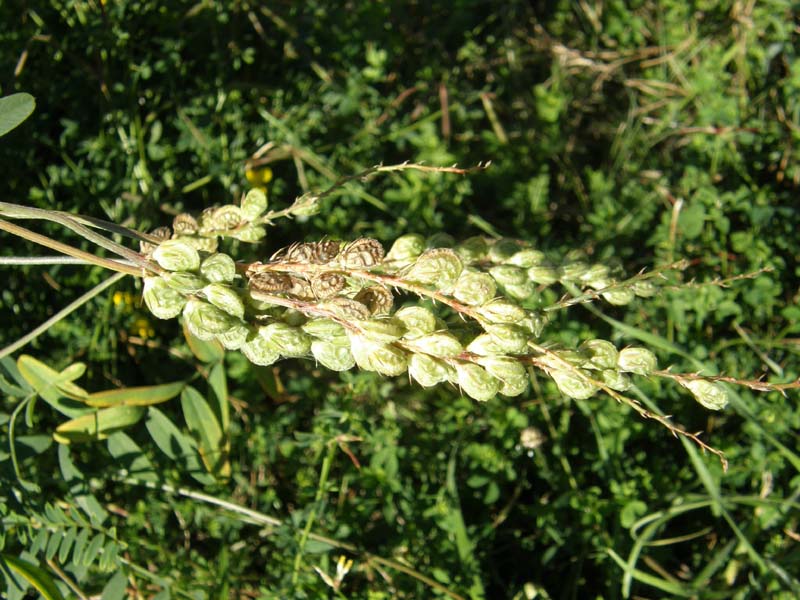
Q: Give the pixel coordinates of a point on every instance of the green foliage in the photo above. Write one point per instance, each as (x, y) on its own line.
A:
(624, 134)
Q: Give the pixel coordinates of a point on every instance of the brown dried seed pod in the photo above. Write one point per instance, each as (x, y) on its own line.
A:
(184, 224)
(376, 298)
(346, 308)
(300, 288)
(226, 217)
(270, 281)
(328, 284)
(162, 233)
(362, 253)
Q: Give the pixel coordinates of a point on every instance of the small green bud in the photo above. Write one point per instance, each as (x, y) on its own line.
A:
(502, 311)
(205, 320)
(474, 288)
(426, 370)
(417, 320)
(259, 350)
(708, 393)
(619, 296)
(324, 329)
(252, 234)
(543, 275)
(439, 267)
(615, 380)
(509, 338)
(225, 298)
(234, 337)
(476, 382)
(472, 249)
(184, 282)
(163, 301)
(440, 344)
(386, 360)
(176, 255)
(336, 357)
(527, 258)
(508, 275)
(644, 289)
(254, 204)
(637, 360)
(218, 268)
(406, 248)
(289, 341)
(510, 372)
(602, 354)
(502, 250)
(573, 384)
(380, 331)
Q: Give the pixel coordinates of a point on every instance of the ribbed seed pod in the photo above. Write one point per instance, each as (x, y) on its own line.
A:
(324, 329)
(379, 331)
(573, 271)
(510, 372)
(427, 370)
(509, 338)
(637, 360)
(573, 384)
(202, 244)
(218, 268)
(363, 253)
(225, 298)
(543, 274)
(176, 255)
(269, 282)
(370, 356)
(644, 289)
(472, 249)
(183, 282)
(336, 357)
(520, 292)
(223, 218)
(378, 299)
(234, 337)
(345, 308)
(476, 382)
(251, 234)
(406, 248)
(163, 301)
(417, 320)
(596, 272)
(502, 311)
(474, 288)
(619, 296)
(315, 253)
(439, 267)
(527, 258)
(502, 250)
(440, 344)
(254, 204)
(184, 224)
(440, 240)
(205, 320)
(484, 345)
(615, 380)
(708, 393)
(259, 350)
(161, 233)
(602, 354)
(533, 323)
(325, 285)
(289, 341)
(508, 275)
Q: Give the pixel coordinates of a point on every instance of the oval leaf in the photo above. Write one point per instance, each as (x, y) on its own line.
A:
(50, 385)
(204, 425)
(14, 109)
(98, 425)
(135, 396)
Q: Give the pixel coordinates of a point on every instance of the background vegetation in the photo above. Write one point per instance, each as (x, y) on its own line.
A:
(639, 133)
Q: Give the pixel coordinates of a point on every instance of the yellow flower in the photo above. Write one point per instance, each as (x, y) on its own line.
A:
(143, 328)
(258, 177)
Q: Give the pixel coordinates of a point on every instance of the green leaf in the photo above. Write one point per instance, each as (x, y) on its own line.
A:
(129, 456)
(211, 351)
(33, 574)
(14, 109)
(48, 384)
(176, 445)
(98, 425)
(135, 396)
(204, 425)
(116, 587)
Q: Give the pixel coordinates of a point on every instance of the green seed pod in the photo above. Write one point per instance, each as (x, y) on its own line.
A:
(336, 357)
(225, 298)
(252, 234)
(543, 274)
(204, 319)
(520, 292)
(254, 204)
(502, 250)
(502, 311)
(534, 324)
(386, 360)
(484, 345)
(417, 320)
(439, 267)
(440, 344)
(644, 289)
(184, 224)
(472, 249)
(615, 380)
(294, 318)
(260, 351)
(183, 282)
(289, 341)
(510, 372)
(527, 258)
(572, 384)
(476, 382)
(508, 275)
(602, 354)
(163, 301)
(324, 329)
(426, 370)
(594, 273)
(223, 218)
(708, 393)
(380, 331)
(234, 337)
(176, 255)
(474, 288)
(509, 338)
(406, 248)
(637, 360)
(600, 283)
(441, 240)
(202, 244)
(619, 297)
(218, 268)
(573, 271)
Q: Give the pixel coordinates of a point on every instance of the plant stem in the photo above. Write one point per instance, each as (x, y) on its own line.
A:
(47, 260)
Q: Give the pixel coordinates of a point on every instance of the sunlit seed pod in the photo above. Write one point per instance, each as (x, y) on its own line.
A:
(502, 250)
(440, 240)
(476, 382)
(508, 275)
(502, 311)
(298, 253)
(225, 298)
(316, 253)
(184, 224)
(509, 338)
(637, 360)
(218, 268)
(619, 296)
(160, 233)
(175, 255)
(708, 393)
(574, 384)
(406, 248)
(293, 317)
(252, 234)
(474, 288)
(184, 282)
(533, 323)
(602, 354)
(325, 285)
(573, 271)
(521, 292)
(336, 357)
(510, 372)
(380, 331)
(543, 274)
(378, 299)
(224, 218)
(259, 350)
(596, 272)
(439, 267)
(204, 317)
(324, 329)
(615, 380)
(290, 341)
(417, 320)
(269, 282)
(362, 253)
(386, 360)
(644, 289)
(300, 288)
(234, 337)
(440, 344)
(601, 283)
(254, 204)
(201, 244)
(345, 308)
(472, 249)
(484, 345)
(573, 357)
(526, 258)
(427, 370)
(163, 301)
